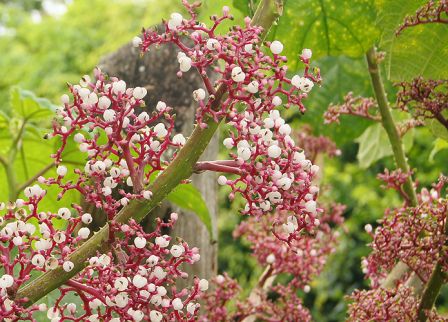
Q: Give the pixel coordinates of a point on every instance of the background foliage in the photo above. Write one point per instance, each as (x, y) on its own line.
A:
(40, 52)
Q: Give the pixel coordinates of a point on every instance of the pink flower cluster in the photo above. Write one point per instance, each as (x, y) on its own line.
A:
(431, 12)
(302, 257)
(413, 235)
(358, 106)
(135, 281)
(125, 146)
(424, 99)
(253, 76)
(31, 242)
(273, 173)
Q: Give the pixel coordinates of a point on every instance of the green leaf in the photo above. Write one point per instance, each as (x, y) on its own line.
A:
(328, 27)
(189, 198)
(374, 145)
(439, 145)
(27, 106)
(437, 128)
(243, 6)
(418, 51)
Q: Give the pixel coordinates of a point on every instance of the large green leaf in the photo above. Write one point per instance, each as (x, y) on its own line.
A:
(27, 106)
(437, 128)
(418, 51)
(328, 27)
(374, 145)
(439, 145)
(189, 198)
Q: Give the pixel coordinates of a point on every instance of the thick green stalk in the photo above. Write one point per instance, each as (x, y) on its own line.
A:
(179, 169)
(397, 147)
(389, 124)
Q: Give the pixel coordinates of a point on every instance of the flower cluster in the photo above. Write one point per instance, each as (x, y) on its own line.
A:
(135, 281)
(302, 260)
(225, 289)
(33, 241)
(395, 180)
(412, 235)
(304, 257)
(380, 304)
(315, 145)
(431, 12)
(253, 75)
(424, 98)
(273, 173)
(358, 106)
(124, 146)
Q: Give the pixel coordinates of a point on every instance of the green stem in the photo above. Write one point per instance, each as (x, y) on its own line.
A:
(397, 147)
(389, 125)
(179, 169)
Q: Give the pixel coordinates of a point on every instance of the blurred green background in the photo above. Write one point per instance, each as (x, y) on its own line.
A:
(46, 43)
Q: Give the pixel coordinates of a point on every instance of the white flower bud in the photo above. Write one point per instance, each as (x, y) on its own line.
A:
(162, 242)
(253, 87)
(276, 47)
(86, 218)
(152, 260)
(274, 151)
(59, 237)
(119, 87)
(136, 41)
(276, 101)
(177, 250)
(139, 92)
(159, 273)
(104, 102)
(199, 94)
(212, 44)
(285, 129)
(237, 74)
(161, 106)
(61, 171)
(84, 232)
(53, 313)
(249, 48)
(368, 228)
(64, 213)
(147, 194)
(270, 259)
(121, 299)
(139, 281)
(140, 242)
(244, 153)
(203, 285)
(155, 316)
(65, 99)
(310, 206)
(222, 180)
(179, 139)
(184, 64)
(306, 53)
(177, 304)
(175, 21)
(109, 115)
(38, 260)
(6, 281)
(228, 143)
